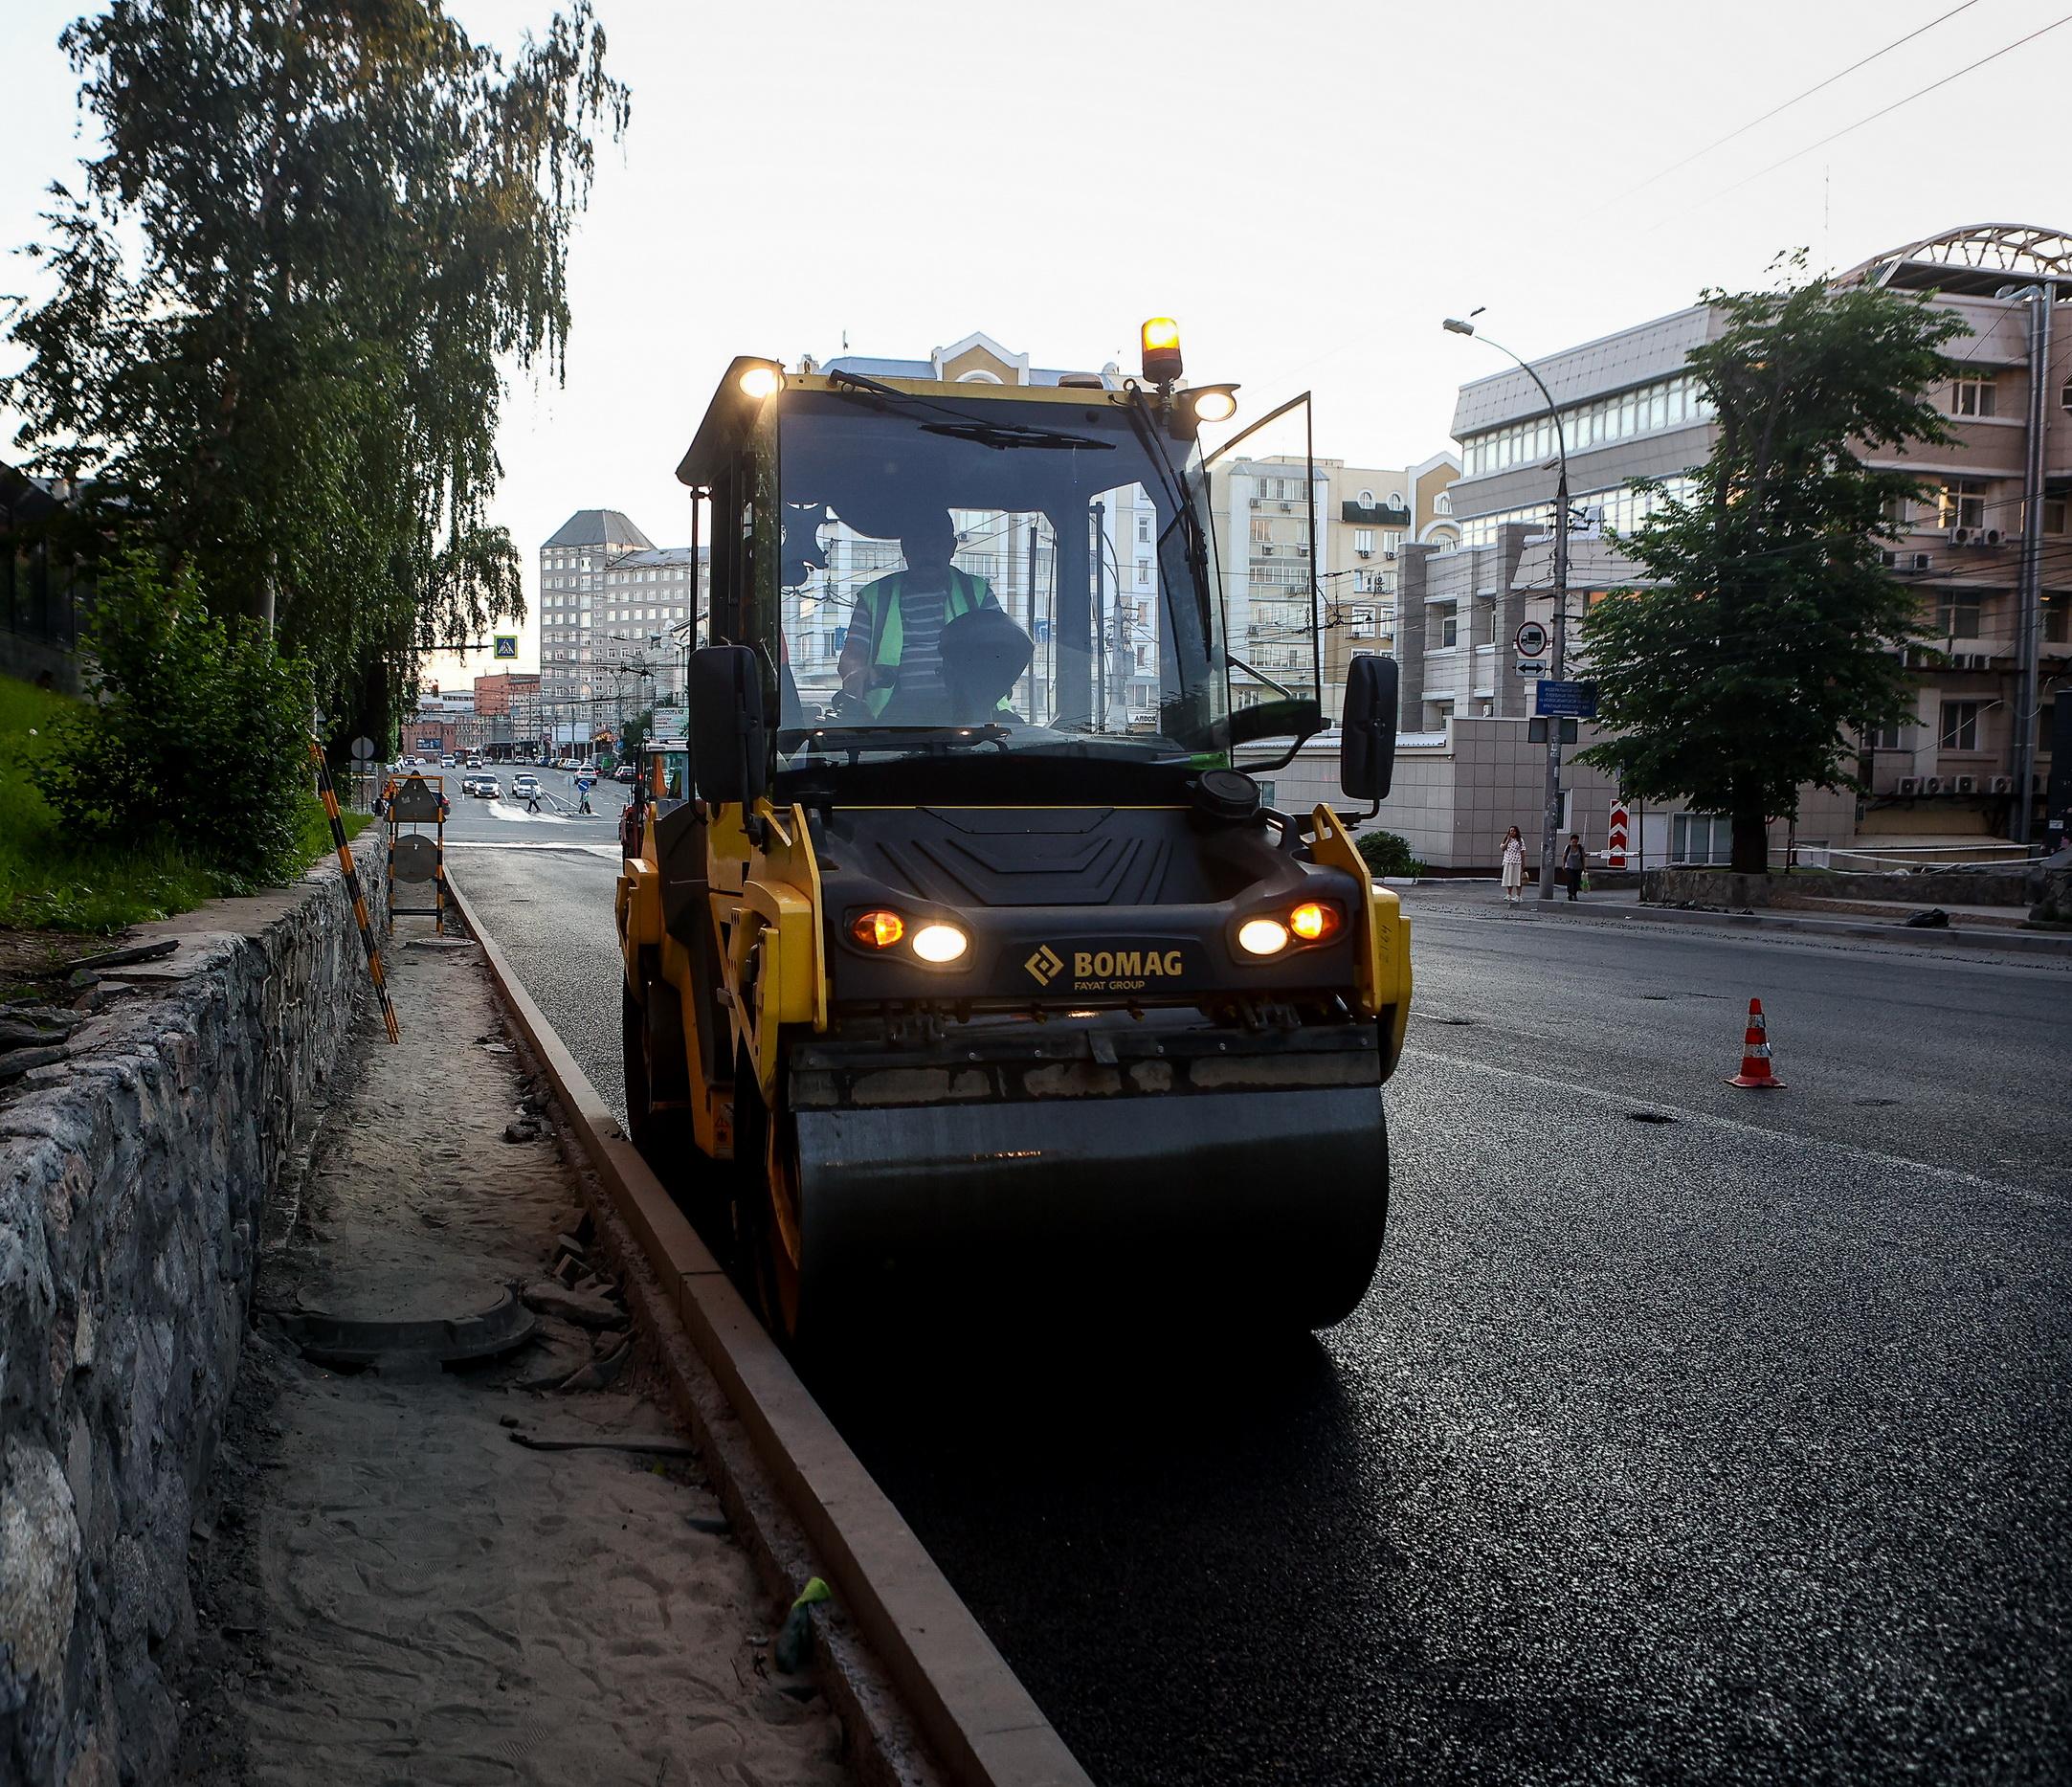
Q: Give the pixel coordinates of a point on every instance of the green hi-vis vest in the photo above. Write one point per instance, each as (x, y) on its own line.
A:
(965, 593)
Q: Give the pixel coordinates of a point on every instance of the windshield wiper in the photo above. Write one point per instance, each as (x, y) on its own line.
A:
(986, 430)
(854, 740)
(1012, 434)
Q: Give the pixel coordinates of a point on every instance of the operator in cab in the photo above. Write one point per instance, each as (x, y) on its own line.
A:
(894, 659)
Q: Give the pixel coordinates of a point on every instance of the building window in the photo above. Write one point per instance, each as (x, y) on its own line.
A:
(1441, 505)
(1961, 502)
(1143, 528)
(1143, 571)
(1975, 395)
(1449, 630)
(2054, 513)
(1363, 539)
(1960, 726)
(1704, 839)
(1367, 497)
(1956, 616)
(2057, 618)
(1892, 738)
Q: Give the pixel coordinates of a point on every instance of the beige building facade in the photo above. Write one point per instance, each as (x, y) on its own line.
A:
(1630, 408)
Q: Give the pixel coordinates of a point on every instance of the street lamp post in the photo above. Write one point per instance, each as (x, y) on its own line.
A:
(1550, 819)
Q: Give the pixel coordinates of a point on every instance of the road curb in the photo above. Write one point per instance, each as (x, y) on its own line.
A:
(2035, 943)
(981, 1724)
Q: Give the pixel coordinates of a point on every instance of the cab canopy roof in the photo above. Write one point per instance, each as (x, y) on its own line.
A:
(732, 411)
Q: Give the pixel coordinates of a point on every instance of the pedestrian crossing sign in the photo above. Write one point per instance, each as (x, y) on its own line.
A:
(506, 645)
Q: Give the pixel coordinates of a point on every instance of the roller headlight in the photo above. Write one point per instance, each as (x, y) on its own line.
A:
(940, 943)
(1262, 936)
(762, 381)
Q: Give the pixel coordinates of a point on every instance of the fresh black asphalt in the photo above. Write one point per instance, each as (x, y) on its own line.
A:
(1733, 1446)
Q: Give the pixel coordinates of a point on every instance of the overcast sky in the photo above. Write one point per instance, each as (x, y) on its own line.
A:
(1308, 188)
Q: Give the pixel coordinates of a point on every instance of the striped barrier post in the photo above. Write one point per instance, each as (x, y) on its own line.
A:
(352, 881)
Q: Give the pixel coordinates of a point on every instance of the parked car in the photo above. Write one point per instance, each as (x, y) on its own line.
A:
(623, 773)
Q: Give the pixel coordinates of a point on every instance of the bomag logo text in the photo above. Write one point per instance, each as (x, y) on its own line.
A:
(1125, 964)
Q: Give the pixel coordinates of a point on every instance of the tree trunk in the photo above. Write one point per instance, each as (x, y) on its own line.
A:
(1751, 838)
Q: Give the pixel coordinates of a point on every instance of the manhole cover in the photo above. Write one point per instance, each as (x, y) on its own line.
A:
(451, 1340)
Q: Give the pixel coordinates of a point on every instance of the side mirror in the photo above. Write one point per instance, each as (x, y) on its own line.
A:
(728, 736)
(1295, 717)
(1367, 746)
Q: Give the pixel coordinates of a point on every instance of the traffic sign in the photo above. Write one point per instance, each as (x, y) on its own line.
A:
(1578, 700)
(1532, 667)
(1532, 640)
(362, 748)
(506, 644)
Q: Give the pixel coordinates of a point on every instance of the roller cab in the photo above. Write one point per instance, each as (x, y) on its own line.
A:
(957, 953)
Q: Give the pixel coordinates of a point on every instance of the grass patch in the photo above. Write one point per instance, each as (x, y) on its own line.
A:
(48, 881)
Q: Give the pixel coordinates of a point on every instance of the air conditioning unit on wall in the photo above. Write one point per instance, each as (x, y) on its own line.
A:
(2002, 785)
(1931, 784)
(1965, 784)
(1910, 787)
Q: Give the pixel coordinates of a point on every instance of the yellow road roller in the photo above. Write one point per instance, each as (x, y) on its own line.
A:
(959, 952)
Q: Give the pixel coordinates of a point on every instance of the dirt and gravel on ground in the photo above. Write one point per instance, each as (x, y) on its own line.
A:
(392, 1582)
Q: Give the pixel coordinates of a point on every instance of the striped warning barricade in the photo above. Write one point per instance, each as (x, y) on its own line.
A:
(352, 881)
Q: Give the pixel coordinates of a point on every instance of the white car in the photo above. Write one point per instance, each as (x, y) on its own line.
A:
(525, 787)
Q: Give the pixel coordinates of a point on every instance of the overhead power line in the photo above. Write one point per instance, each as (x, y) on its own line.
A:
(1744, 129)
(1884, 111)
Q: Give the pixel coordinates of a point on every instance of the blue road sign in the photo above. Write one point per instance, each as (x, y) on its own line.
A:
(506, 644)
(1577, 700)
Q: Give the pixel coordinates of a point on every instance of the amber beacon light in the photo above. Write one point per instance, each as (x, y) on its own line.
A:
(877, 931)
(1161, 339)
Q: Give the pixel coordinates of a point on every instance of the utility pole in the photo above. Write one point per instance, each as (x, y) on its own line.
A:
(1550, 819)
(2029, 617)
(1099, 518)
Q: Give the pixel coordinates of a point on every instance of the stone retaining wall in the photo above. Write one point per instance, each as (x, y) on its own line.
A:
(132, 1181)
(1924, 887)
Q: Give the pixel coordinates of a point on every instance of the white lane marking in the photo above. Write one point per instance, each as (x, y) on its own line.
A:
(502, 810)
(1634, 1101)
(2011, 957)
(610, 852)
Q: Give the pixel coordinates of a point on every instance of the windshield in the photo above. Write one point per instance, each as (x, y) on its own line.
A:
(1009, 576)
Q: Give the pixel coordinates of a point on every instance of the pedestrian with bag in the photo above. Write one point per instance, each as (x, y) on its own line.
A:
(1572, 865)
(1514, 866)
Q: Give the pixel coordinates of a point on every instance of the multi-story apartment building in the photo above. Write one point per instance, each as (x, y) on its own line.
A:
(1366, 519)
(508, 706)
(615, 615)
(1629, 409)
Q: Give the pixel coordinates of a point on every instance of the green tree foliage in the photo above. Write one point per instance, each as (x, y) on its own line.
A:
(1763, 646)
(352, 219)
(1388, 853)
(199, 733)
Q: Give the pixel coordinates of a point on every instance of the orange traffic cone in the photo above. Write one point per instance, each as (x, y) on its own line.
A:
(1755, 1055)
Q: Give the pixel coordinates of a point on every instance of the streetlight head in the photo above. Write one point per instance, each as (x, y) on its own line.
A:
(1454, 326)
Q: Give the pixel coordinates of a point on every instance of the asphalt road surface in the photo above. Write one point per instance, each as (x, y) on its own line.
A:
(1687, 1433)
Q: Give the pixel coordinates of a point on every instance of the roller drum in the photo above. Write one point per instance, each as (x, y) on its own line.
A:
(1232, 1203)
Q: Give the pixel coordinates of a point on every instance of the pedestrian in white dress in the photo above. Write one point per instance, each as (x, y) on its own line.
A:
(1514, 866)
